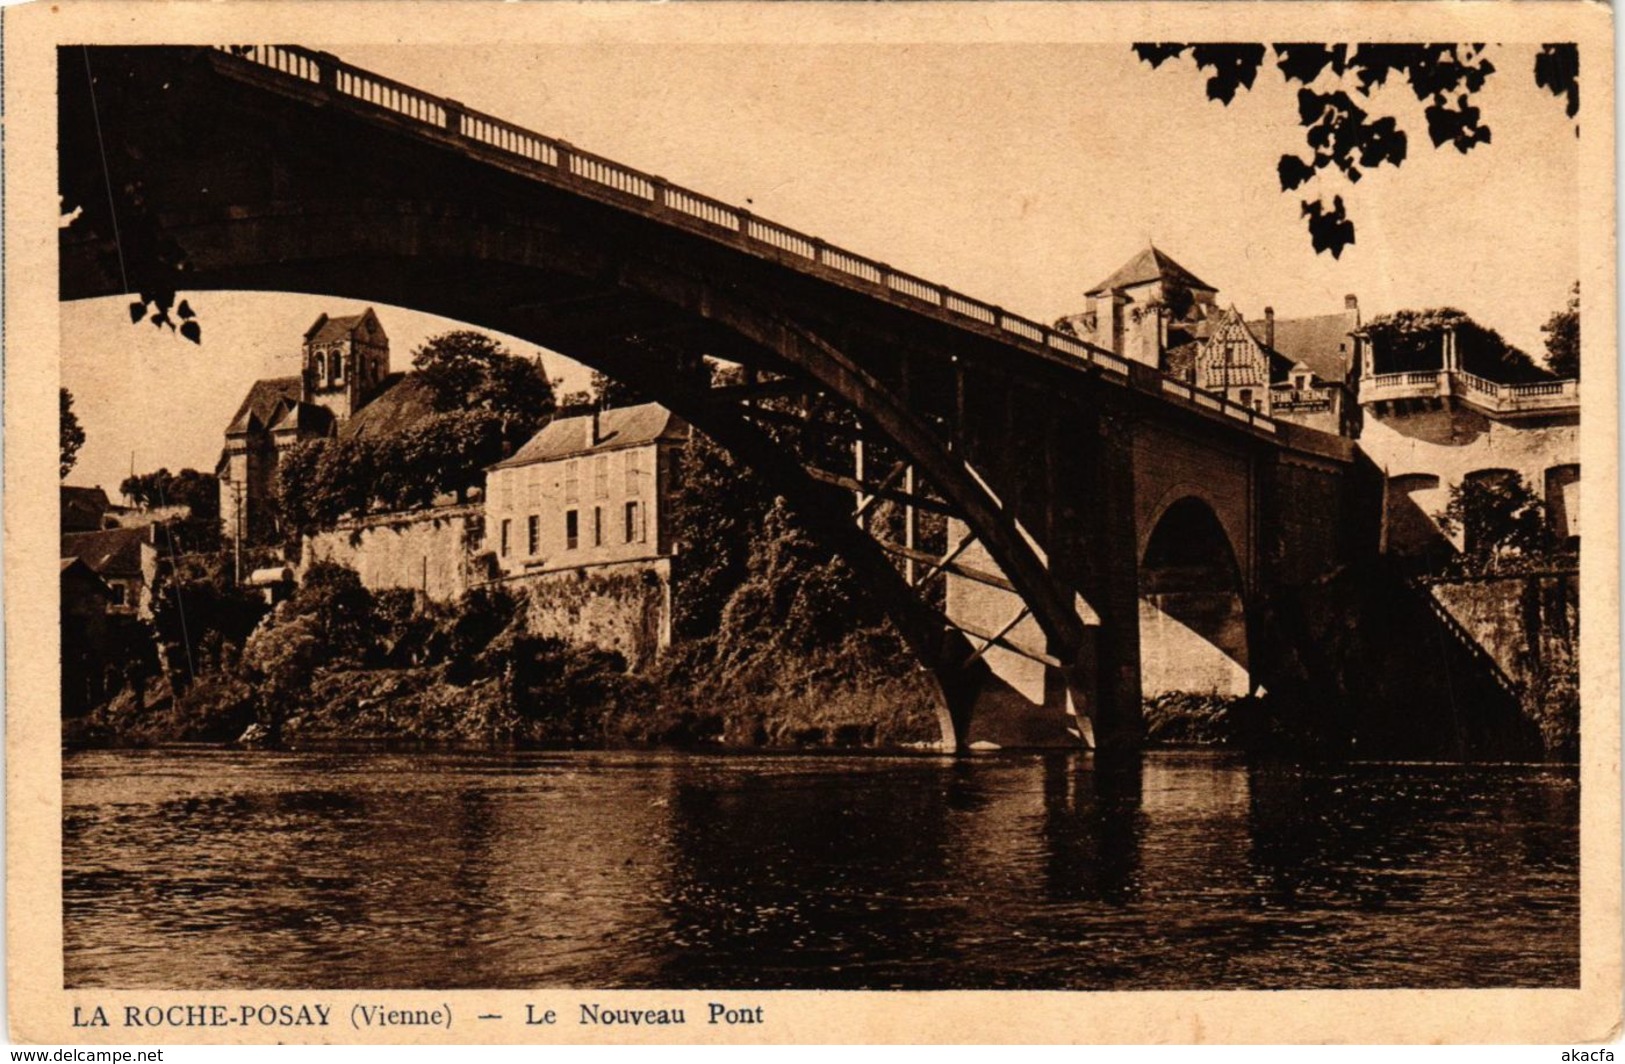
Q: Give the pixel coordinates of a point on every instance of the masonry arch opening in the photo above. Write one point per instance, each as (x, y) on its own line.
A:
(1193, 616)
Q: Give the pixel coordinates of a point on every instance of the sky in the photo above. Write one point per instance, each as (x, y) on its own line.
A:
(1021, 174)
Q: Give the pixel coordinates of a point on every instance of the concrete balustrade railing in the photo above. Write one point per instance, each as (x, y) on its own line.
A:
(660, 197)
(1530, 397)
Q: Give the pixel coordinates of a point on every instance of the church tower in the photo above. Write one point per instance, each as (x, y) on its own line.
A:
(345, 362)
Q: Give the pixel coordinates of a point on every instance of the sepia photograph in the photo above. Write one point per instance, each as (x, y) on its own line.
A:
(1080, 504)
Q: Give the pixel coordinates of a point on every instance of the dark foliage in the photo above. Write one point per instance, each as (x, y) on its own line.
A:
(109, 195)
(73, 436)
(1562, 331)
(340, 607)
(199, 492)
(1412, 340)
(608, 392)
(443, 453)
(563, 687)
(715, 514)
(1501, 521)
(469, 372)
(320, 482)
(1557, 70)
(200, 617)
(1339, 129)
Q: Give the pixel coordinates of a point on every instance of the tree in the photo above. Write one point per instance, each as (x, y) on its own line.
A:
(147, 490)
(198, 492)
(467, 370)
(1409, 340)
(1562, 331)
(73, 437)
(443, 453)
(607, 392)
(320, 482)
(716, 513)
(198, 610)
(1339, 93)
(341, 607)
(1498, 516)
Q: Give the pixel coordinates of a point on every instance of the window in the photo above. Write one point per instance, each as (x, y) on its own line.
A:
(117, 592)
(1246, 397)
(507, 531)
(632, 473)
(533, 535)
(338, 367)
(505, 489)
(533, 487)
(321, 368)
(572, 530)
(634, 523)
(598, 526)
(600, 477)
(572, 481)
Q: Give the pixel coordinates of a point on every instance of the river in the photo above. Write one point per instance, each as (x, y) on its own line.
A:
(211, 869)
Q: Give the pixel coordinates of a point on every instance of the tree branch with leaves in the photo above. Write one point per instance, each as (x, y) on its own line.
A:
(1339, 97)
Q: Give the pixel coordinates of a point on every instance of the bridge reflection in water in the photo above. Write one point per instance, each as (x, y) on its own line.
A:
(208, 869)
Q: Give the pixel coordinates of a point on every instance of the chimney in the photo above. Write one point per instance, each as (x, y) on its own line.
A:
(1269, 327)
(596, 435)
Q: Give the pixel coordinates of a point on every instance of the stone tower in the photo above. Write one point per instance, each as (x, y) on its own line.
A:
(345, 362)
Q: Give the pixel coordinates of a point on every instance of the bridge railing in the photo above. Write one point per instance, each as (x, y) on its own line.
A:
(666, 200)
(1193, 394)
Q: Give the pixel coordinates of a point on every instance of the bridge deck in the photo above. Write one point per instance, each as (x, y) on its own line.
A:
(325, 79)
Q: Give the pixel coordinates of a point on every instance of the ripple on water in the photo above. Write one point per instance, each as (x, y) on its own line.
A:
(217, 869)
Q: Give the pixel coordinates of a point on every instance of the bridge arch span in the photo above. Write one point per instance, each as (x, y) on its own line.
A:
(634, 301)
(300, 173)
(1221, 513)
(1193, 606)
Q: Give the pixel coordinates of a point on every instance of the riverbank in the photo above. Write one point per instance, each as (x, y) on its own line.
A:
(532, 692)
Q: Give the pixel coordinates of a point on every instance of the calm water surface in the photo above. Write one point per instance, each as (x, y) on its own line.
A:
(217, 869)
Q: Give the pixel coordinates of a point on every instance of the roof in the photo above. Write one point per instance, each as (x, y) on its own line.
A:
(260, 404)
(76, 569)
(1321, 343)
(1149, 265)
(402, 401)
(113, 552)
(301, 417)
(83, 508)
(326, 329)
(618, 427)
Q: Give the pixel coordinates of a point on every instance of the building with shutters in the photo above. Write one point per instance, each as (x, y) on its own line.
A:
(586, 491)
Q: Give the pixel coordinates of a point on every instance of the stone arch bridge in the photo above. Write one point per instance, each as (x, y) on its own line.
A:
(1014, 497)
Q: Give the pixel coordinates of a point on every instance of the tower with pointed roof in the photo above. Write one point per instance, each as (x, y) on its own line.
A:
(1147, 305)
